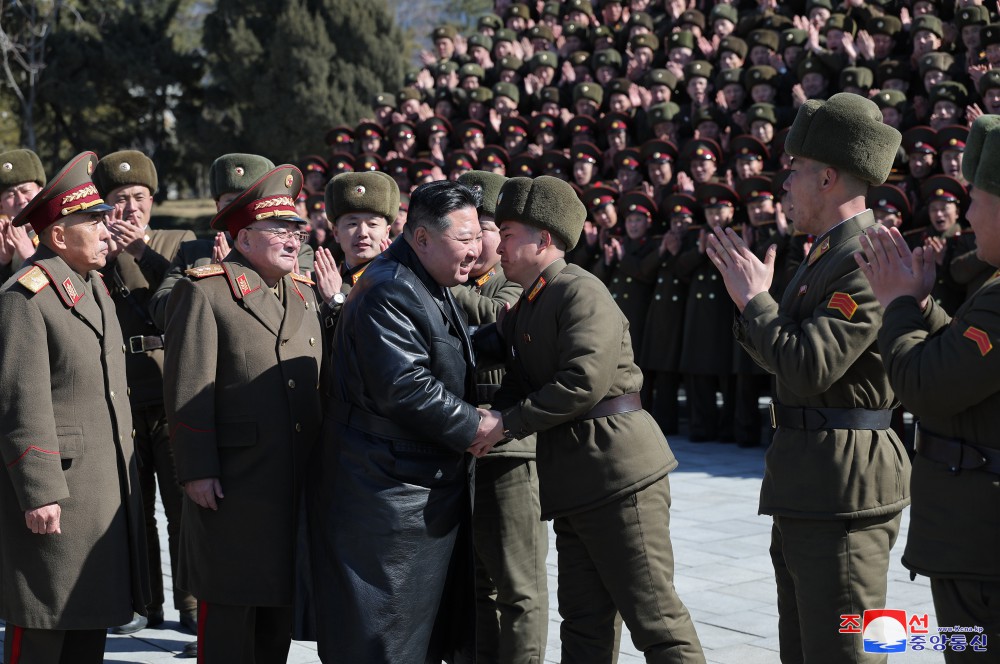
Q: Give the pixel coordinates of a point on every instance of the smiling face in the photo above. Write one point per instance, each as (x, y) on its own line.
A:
(360, 235)
(272, 254)
(449, 255)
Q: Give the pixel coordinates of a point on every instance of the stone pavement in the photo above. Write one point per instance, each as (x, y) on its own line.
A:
(723, 571)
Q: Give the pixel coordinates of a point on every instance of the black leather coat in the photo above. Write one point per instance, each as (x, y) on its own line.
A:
(390, 504)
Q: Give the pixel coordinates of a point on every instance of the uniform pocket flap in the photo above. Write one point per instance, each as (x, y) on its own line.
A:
(236, 434)
(70, 441)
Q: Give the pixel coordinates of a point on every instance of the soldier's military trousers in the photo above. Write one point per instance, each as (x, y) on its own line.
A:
(511, 541)
(229, 634)
(53, 646)
(156, 462)
(618, 557)
(969, 603)
(825, 569)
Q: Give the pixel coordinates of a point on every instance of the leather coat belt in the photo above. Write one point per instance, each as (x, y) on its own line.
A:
(140, 344)
(624, 403)
(815, 419)
(955, 453)
(370, 423)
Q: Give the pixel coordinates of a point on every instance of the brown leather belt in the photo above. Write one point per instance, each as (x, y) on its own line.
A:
(625, 403)
(141, 344)
(956, 454)
(815, 419)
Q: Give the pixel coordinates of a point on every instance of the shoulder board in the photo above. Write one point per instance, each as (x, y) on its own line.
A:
(34, 279)
(205, 271)
(299, 277)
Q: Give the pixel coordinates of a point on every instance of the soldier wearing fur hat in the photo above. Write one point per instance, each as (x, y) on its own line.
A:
(940, 367)
(707, 360)
(660, 361)
(137, 262)
(578, 389)
(361, 207)
(69, 464)
(245, 338)
(21, 177)
(509, 537)
(836, 475)
(228, 176)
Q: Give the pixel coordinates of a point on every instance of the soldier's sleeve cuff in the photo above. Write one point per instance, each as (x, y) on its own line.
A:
(762, 303)
(38, 479)
(514, 426)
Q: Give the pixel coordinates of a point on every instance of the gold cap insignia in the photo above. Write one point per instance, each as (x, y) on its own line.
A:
(631, 207)
(90, 167)
(359, 190)
(124, 167)
(288, 181)
(7, 166)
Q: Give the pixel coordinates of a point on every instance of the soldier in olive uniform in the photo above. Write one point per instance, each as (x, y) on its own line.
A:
(21, 177)
(72, 555)
(944, 199)
(943, 370)
(661, 360)
(244, 339)
(707, 361)
(509, 536)
(836, 476)
(127, 180)
(228, 176)
(602, 461)
(629, 263)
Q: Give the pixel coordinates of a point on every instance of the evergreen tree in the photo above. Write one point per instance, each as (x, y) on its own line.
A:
(282, 73)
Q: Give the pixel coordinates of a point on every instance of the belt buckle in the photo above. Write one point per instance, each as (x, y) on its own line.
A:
(136, 344)
(774, 417)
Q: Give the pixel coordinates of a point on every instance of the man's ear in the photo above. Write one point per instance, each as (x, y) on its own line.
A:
(57, 236)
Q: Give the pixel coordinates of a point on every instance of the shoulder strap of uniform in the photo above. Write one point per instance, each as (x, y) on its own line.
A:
(299, 277)
(34, 279)
(205, 271)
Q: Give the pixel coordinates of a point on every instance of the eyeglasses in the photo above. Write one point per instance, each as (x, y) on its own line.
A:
(282, 234)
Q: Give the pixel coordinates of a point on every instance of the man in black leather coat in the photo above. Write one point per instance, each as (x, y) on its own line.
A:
(389, 512)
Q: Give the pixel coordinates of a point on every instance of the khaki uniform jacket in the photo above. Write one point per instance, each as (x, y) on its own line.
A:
(947, 372)
(481, 299)
(568, 347)
(65, 436)
(132, 284)
(820, 344)
(191, 254)
(243, 404)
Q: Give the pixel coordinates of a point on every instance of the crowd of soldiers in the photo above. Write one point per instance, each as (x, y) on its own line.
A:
(649, 148)
(677, 116)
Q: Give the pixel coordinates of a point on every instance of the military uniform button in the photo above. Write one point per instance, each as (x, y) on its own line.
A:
(291, 383)
(701, 277)
(124, 348)
(615, 280)
(312, 341)
(674, 298)
(112, 394)
(660, 280)
(284, 342)
(298, 427)
(307, 306)
(657, 296)
(133, 433)
(614, 296)
(128, 391)
(625, 296)
(677, 281)
(628, 280)
(711, 296)
(698, 296)
(714, 277)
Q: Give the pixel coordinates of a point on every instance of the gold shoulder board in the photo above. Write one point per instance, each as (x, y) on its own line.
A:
(299, 277)
(34, 279)
(205, 271)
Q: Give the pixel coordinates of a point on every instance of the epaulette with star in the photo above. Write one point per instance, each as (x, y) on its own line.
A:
(34, 279)
(299, 277)
(204, 271)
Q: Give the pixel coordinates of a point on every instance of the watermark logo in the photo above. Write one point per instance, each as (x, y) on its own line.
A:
(894, 631)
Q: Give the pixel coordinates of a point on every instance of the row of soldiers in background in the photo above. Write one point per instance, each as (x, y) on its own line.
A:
(647, 245)
(617, 77)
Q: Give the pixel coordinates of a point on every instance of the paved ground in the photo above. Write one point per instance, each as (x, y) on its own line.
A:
(723, 570)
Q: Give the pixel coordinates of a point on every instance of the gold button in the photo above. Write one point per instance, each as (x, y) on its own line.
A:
(128, 391)
(133, 433)
(714, 277)
(698, 296)
(625, 296)
(284, 342)
(628, 280)
(307, 306)
(711, 296)
(124, 349)
(112, 394)
(674, 298)
(312, 341)
(291, 383)
(660, 280)
(657, 296)
(298, 427)
(701, 277)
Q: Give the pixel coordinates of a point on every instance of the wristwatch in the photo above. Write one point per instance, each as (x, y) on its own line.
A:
(337, 301)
